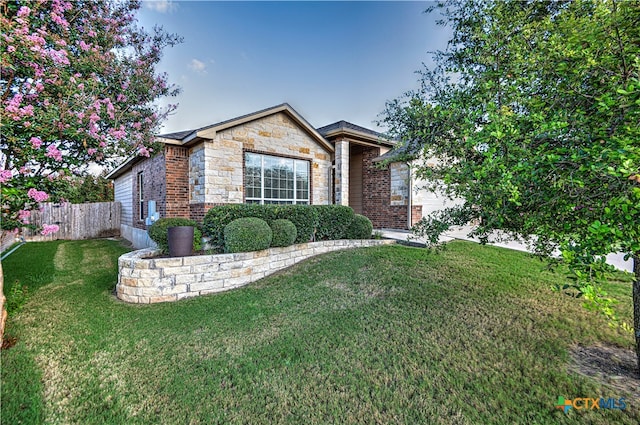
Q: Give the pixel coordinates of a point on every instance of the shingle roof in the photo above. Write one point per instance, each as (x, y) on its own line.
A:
(178, 135)
(405, 151)
(347, 125)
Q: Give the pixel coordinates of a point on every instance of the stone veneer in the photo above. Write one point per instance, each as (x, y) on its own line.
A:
(145, 280)
(216, 167)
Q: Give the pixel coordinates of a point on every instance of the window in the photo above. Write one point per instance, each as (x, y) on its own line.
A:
(141, 194)
(275, 180)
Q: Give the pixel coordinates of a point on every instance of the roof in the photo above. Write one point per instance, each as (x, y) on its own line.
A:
(343, 125)
(350, 130)
(190, 137)
(405, 151)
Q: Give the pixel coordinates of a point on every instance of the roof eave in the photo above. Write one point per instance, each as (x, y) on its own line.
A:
(349, 132)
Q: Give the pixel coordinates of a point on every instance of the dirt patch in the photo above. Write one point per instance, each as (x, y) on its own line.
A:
(611, 366)
(8, 342)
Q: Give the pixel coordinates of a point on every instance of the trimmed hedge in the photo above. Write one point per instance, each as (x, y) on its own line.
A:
(333, 221)
(360, 228)
(247, 234)
(158, 232)
(284, 232)
(304, 218)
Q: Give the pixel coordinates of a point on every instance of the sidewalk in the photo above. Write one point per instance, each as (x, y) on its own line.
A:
(617, 260)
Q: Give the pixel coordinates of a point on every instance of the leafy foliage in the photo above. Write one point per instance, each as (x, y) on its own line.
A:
(333, 221)
(360, 228)
(78, 87)
(533, 113)
(81, 189)
(284, 232)
(158, 232)
(247, 234)
(304, 217)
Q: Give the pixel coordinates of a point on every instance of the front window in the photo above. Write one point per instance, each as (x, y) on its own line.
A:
(275, 180)
(141, 195)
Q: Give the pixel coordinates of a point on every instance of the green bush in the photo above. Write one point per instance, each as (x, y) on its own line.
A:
(333, 221)
(284, 232)
(158, 232)
(360, 228)
(304, 218)
(247, 234)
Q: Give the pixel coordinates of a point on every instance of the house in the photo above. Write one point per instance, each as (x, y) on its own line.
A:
(269, 156)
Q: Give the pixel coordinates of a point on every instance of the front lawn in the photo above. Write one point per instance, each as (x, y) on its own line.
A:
(386, 335)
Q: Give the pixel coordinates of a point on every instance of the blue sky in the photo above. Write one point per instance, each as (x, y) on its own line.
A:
(329, 60)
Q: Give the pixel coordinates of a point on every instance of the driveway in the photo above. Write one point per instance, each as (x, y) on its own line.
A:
(617, 259)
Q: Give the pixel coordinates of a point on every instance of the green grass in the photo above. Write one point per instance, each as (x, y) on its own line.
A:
(381, 335)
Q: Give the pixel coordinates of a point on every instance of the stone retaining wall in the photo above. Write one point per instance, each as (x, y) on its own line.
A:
(144, 280)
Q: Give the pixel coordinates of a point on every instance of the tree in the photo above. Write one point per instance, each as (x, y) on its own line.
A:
(534, 113)
(77, 86)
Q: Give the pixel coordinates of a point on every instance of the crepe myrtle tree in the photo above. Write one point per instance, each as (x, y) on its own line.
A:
(77, 86)
(533, 112)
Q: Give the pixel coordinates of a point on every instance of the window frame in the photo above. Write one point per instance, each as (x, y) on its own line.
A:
(262, 199)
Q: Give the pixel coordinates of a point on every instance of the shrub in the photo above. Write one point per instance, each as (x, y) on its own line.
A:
(247, 234)
(284, 232)
(158, 232)
(304, 218)
(333, 221)
(360, 228)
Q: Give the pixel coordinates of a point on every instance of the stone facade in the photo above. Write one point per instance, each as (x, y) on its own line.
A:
(145, 280)
(216, 173)
(399, 183)
(341, 182)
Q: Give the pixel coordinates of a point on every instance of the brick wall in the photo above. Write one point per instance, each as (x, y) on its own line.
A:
(154, 174)
(376, 197)
(198, 211)
(416, 214)
(177, 181)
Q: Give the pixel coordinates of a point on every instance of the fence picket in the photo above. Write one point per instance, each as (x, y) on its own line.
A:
(76, 221)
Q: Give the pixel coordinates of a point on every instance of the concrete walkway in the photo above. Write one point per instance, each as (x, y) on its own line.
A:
(617, 260)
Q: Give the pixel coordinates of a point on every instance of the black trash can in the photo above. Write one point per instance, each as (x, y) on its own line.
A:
(180, 239)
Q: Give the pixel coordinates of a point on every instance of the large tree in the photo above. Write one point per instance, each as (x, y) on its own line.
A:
(534, 113)
(77, 86)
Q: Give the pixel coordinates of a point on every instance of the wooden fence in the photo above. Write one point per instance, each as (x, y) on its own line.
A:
(76, 221)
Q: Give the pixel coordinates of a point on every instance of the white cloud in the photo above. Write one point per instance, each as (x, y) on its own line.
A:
(198, 66)
(161, 6)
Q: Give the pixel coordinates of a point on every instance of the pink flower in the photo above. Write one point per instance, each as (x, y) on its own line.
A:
(84, 46)
(143, 151)
(23, 216)
(92, 151)
(48, 229)
(5, 175)
(37, 195)
(24, 11)
(59, 20)
(11, 49)
(53, 152)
